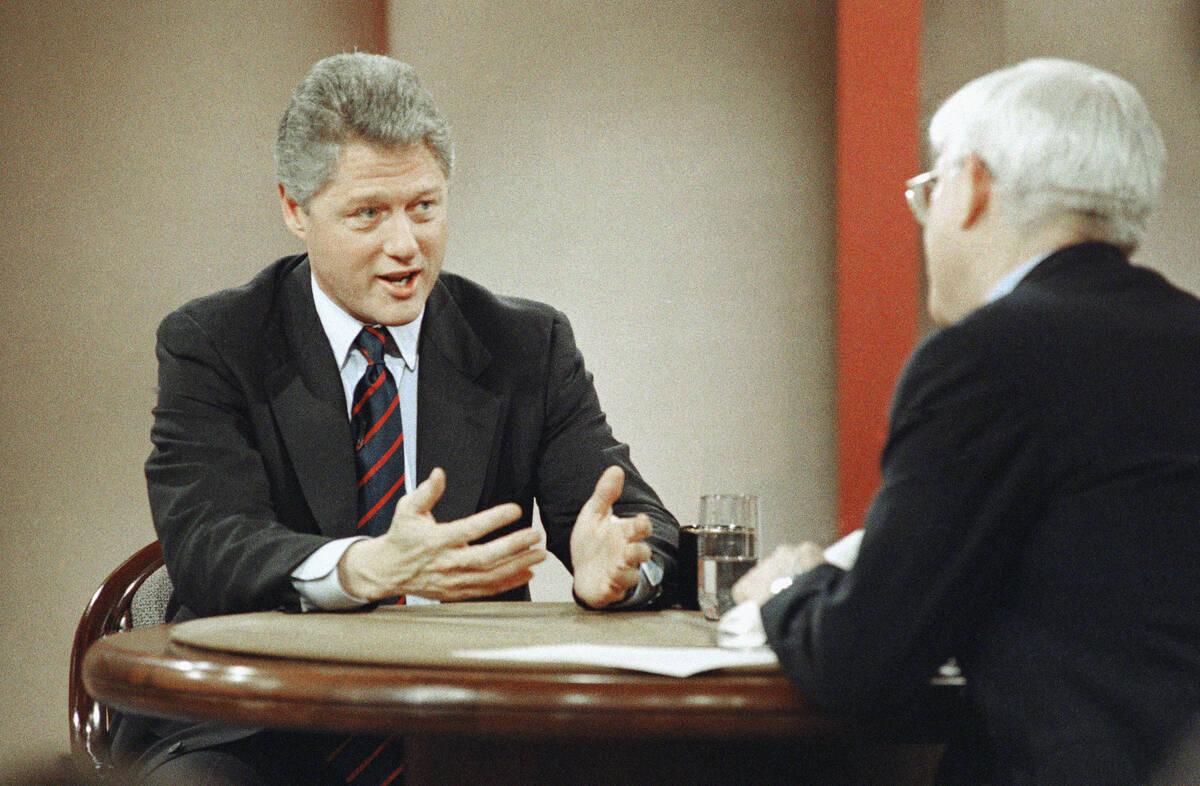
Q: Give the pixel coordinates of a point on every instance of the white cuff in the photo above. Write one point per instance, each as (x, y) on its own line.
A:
(844, 553)
(316, 579)
(650, 576)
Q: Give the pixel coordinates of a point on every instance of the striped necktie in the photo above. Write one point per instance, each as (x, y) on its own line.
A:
(378, 436)
(379, 458)
(365, 761)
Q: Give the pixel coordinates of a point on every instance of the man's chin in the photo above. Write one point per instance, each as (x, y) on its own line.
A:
(399, 312)
(396, 321)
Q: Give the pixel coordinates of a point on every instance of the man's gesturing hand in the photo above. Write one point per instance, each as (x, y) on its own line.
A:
(605, 550)
(419, 556)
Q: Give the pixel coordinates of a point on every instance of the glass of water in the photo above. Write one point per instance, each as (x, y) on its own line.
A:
(726, 548)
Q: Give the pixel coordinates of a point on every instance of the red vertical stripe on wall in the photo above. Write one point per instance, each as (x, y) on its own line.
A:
(878, 257)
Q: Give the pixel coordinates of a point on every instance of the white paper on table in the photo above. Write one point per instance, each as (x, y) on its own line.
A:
(670, 661)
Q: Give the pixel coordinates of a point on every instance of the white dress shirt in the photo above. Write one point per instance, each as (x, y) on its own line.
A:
(316, 578)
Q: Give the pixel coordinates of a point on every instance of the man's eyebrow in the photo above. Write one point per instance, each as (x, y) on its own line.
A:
(384, 194)
(432, 188)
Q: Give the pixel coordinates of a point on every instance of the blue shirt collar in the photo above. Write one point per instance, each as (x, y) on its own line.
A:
(1013, 277)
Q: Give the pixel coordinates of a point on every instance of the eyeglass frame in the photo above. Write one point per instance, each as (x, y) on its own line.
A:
(917, 191)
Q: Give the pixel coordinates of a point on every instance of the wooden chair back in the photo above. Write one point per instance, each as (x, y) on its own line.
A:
(116, 605)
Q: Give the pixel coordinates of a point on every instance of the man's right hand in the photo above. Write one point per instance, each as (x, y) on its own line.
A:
(419, 556)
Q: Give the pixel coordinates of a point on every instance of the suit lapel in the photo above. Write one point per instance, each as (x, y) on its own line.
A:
(457, 416)
(308, 404)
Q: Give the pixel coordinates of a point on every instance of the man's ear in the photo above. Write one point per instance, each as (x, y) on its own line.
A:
(293, 215)
(979, 180)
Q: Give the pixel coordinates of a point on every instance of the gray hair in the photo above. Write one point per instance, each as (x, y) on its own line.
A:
(1060, 138)
(354, 97)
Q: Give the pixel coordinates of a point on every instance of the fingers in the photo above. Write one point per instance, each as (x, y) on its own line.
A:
(636, 528)
(797, 559)
(464, 572)
(607, 491)
(633, 531)
(784, 561)
(513, 572)
(782, 558)
(615, 589)
(808, 556)
(626, 579)
(518, 579)
(487, 573)
(485, 556)
(513, 581)
(756, 584)
(425, 496)
(781, 552)
(636, 554)
(475, 526)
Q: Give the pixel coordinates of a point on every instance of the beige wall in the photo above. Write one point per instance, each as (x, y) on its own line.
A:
(662, 172)
(136, 155)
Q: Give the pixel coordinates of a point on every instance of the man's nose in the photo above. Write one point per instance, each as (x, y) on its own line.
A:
(401, 240)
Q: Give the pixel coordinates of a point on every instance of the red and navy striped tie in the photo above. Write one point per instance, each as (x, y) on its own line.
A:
(379, 457)
(378, 436)
(366, 761)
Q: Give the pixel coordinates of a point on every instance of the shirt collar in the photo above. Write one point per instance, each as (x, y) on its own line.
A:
(1014, 276)
(341, 329)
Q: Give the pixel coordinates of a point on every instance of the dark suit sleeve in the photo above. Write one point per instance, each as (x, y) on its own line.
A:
(225, 549)
(939, 538)
(576, 447)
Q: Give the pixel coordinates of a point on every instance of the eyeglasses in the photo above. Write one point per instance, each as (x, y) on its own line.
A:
(917, 191)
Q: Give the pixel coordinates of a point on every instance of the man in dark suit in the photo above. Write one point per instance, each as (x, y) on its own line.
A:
(261, 495)
(1039, 515)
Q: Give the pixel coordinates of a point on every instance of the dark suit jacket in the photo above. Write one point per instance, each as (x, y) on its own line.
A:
(1038, 520)
(252, 467)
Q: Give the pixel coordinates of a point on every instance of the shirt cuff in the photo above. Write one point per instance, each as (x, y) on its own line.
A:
(649, 585)
(316, 579)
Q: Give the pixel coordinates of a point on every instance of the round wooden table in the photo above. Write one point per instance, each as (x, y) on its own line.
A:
(512, 724)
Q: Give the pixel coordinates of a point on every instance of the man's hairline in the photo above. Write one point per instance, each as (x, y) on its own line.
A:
(378, 145)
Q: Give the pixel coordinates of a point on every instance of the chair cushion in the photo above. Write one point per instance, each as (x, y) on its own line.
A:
(149, 604)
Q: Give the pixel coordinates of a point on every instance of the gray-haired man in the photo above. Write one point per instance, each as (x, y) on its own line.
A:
(1038, 518)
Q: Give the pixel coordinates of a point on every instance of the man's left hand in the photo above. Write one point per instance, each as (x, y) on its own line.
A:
(606, 551)
(785, 561)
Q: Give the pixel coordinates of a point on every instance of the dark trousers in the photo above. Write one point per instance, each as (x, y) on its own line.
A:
(189, 756)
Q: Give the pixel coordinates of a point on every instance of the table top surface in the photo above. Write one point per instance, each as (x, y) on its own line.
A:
(455, 634)
(188, 671)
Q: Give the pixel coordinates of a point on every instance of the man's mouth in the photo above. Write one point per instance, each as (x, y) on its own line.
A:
(400, 285)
